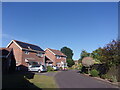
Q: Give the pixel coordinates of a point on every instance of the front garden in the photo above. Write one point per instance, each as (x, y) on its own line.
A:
(103, 63)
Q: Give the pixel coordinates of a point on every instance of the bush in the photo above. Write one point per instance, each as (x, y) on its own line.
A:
(94, 73)
(104, 76)
(84, 70)
(113, 79)
(49, 68)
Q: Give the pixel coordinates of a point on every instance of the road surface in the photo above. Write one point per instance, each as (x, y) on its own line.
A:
(73, 79)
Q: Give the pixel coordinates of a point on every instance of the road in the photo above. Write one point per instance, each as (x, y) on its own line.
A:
(73, 79)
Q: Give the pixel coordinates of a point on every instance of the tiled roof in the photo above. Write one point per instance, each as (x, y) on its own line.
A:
(28, 46)
(5, 51)
(57, 52)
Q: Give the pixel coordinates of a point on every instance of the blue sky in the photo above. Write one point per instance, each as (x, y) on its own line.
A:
(77, 25)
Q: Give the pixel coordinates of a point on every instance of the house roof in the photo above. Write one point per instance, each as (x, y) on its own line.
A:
(57, 52)
(5, 51)
(26, 46)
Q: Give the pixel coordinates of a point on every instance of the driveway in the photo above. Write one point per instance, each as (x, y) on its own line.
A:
(73, 79)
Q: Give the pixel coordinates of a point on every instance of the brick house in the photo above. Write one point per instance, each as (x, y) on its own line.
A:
(26, 54)
(55, 58)
(8, 60)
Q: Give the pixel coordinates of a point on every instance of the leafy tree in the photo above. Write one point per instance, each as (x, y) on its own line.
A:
(96, 54)
(68, 52)
(83, 54)
(111, 54)
(70, 62)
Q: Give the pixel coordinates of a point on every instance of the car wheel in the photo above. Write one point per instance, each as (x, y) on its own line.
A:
(39, 71)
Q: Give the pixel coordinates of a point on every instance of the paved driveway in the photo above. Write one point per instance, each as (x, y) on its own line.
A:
(72, 79)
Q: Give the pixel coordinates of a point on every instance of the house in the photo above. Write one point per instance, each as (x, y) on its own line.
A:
(8, 60)
(55, 58)
(76, 62)
(26, 54)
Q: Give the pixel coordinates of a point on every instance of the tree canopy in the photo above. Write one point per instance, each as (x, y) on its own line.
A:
(111, 53)
(68, 52)
(87, 61)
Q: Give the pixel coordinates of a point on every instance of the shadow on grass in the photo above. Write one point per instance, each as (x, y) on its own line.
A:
(18, 80)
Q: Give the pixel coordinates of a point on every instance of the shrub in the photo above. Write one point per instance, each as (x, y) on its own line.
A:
(113, 79)
(49, 68)
(94, 73)
(104, 76)
(80, 66)
(84, 70)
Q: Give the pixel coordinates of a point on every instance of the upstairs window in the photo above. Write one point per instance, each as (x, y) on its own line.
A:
(64, 57)
(58, 57)
(40, 54)
(26, 52)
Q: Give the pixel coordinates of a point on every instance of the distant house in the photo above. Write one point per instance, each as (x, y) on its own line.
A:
(76, 62)
(8, 60)
(26, 54)
(55, 58)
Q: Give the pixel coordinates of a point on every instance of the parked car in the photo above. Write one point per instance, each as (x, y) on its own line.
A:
(55, 68)
(38, 68)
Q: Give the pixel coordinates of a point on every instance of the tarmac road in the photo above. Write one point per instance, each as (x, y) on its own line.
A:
(73, 79)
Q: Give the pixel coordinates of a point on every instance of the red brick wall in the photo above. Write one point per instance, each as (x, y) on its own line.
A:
(17, 52)
(20, 55)
(31, 55)
(53, 57)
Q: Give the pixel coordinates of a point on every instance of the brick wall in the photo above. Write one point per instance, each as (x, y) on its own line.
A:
(17, 53)
(51, 56)
(54, 58)
(32, 56)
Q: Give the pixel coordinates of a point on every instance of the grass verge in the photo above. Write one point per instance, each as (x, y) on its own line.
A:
(27, 80)
(43, 81)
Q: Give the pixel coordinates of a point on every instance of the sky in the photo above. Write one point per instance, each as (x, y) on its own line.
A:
(77, 25)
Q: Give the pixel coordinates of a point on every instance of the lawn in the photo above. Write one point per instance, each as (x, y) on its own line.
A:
(43, 81)
(27, 80)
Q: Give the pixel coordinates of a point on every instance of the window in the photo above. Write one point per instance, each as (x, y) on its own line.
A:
(58, 64)
(40, 54)
(64, 57)
(58, 57)
(26, 52)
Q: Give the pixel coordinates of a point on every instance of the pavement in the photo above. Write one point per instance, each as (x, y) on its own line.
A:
(73, 79)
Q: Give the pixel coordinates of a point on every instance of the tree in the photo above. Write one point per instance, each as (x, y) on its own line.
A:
(111, 54)
(96, 54)
(87, 62)
(83, 54)
(70, 62)
(68, 52)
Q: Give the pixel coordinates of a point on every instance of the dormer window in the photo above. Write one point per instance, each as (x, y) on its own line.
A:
(40, 54)
(26, 52)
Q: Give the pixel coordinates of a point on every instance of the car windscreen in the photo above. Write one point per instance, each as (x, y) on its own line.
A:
(43, 66)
